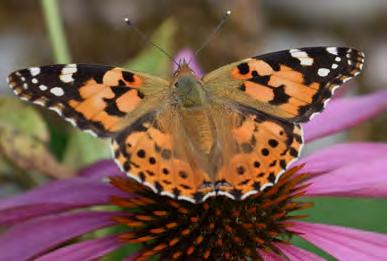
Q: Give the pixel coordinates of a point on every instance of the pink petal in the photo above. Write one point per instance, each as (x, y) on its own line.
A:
(336, 156)
(297, 254)
(344, 113)
(101, 169)
(292, 252)
(366, 178)
(270, 256)
(344, 243)
(55, 197)
(188, 56)
(31, 238)
(86, 250)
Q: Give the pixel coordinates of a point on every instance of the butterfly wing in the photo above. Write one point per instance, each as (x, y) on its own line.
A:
(292, 84)
(256, 150)
(98, 99)
(220, 150)
(157, 152)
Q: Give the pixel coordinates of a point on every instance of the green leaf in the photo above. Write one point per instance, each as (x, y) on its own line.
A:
(83, 149)
(152, 60)
(23, 137)
(16, 114)
(28, 153)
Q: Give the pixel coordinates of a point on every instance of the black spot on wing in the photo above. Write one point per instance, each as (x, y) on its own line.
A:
(243, 68)
(280, 96)
(264, 80)
(128, 76)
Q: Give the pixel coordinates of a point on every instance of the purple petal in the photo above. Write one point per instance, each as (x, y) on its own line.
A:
(344, 113)
(86, 250)
(292, 252)
(344, 243)
(188, 56)
(101, 169)
(31, 238)
(270, 256)
(297, 254)
(340, 155)
(55, 197)
(361, 179)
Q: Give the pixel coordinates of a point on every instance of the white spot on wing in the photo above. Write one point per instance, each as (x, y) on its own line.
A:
(40, 102)
(34, 71)
(323, 72)
(56, 109)
(332, 50)
(302, 56)
(334, 66)
(67, 73)
(34, 80)
(338, 59)
(72, 121)
(66, 78)
(57, 91)
(43, 87)
(92, 133)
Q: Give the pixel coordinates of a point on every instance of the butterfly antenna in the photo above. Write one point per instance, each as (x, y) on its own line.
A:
(146, 39)
(214, 32)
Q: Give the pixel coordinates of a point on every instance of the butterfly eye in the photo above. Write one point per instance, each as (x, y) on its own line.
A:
(177, 84)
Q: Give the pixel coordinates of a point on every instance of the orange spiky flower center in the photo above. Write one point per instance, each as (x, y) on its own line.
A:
(217, 229)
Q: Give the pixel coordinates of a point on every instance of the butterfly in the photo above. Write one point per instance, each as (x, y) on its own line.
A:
(232, 132)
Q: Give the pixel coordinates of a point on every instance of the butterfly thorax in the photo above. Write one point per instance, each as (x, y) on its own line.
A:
(187, 88)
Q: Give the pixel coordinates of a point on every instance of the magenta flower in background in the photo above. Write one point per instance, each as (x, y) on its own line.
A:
(188, 56)
(40, 223)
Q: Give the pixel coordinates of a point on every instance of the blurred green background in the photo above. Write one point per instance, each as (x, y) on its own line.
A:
(37, 146)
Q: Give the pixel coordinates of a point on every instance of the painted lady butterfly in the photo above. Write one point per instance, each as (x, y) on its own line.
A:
(231, 133)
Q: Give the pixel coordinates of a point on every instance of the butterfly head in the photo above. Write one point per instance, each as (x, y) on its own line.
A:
(187, 87)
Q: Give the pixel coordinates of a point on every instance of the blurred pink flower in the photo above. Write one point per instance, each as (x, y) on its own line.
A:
(188, 56)
(40, 223)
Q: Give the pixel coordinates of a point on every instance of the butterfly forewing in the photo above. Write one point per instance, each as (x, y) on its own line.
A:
(95, 98)
(292, 84)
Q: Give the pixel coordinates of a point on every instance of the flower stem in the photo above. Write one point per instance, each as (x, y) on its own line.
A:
(55, 30)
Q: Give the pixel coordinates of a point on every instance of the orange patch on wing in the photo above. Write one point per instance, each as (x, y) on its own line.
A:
(128, 102)
(261, 67)
(244, 132)
(73, 103)
(90, 88)
(112, 77)
(95, 103)
(115, 75)
(137, 81)
(291, 107)
(290, 74)
(258, 91)
(106, 120)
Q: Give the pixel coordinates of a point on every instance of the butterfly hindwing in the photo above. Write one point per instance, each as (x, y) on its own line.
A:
(152, 152)
(248, 152)
(258, 148)
(292, 84)
(95, 98)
